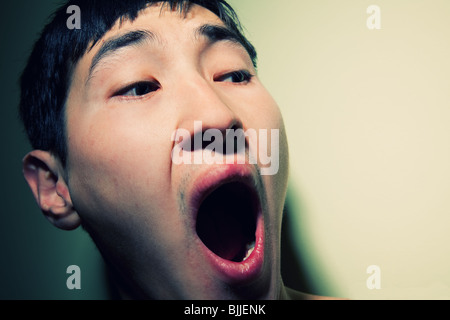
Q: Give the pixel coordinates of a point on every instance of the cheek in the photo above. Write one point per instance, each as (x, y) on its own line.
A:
(116, 159)
(262, 112)
(276, 149)
(119, 170)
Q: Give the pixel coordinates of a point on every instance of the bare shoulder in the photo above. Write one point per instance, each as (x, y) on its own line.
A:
(297, 295)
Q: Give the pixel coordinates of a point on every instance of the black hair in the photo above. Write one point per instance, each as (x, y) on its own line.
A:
(46, 78)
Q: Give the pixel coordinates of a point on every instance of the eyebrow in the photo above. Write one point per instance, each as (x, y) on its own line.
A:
(111, 46)
(216, 33)
(213, 34)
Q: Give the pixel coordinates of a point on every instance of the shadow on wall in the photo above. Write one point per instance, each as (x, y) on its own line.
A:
(293, 267)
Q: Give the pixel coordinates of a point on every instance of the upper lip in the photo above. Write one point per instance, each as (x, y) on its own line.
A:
(206, 182)
(218, 176)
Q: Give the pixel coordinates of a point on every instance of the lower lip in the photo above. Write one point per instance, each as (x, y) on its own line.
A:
(245, 271)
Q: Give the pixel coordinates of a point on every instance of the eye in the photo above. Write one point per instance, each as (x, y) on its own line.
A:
(137, 89)
(241, 76)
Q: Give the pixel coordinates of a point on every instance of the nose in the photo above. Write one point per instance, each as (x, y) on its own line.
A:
(203, 107)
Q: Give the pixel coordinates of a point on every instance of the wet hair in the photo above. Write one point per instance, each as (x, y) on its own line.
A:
(46, 79)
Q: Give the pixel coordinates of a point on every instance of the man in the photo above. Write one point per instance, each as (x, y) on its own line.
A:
(109, 107)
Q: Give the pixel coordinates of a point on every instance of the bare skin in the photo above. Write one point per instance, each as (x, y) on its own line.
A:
(120, 183)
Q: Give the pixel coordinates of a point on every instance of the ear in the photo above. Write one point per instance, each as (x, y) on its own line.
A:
(44, 175)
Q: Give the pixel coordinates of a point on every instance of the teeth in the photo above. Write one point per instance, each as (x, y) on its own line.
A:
(250, 247)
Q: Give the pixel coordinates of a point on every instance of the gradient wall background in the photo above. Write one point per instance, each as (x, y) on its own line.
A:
(367, 114)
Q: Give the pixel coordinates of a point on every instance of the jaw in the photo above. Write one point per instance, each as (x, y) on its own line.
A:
(183, 259)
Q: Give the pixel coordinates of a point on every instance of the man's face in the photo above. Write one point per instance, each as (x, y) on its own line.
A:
(175, 230)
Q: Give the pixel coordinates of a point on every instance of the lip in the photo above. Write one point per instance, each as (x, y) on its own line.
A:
(209, 180)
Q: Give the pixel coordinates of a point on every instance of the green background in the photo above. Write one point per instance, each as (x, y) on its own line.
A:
(34, 254)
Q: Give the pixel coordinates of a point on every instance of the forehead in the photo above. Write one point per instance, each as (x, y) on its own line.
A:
(162, 21)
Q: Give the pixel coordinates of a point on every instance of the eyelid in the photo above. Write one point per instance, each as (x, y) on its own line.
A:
(123, 90)
(245, 73)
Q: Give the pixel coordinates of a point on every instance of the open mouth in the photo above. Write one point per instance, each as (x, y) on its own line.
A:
(227, 221)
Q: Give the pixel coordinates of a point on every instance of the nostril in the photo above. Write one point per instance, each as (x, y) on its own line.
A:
(210, 140)
(234, 141)
(230, 141)
(197, 142)
(226, 141)
(207, 138)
